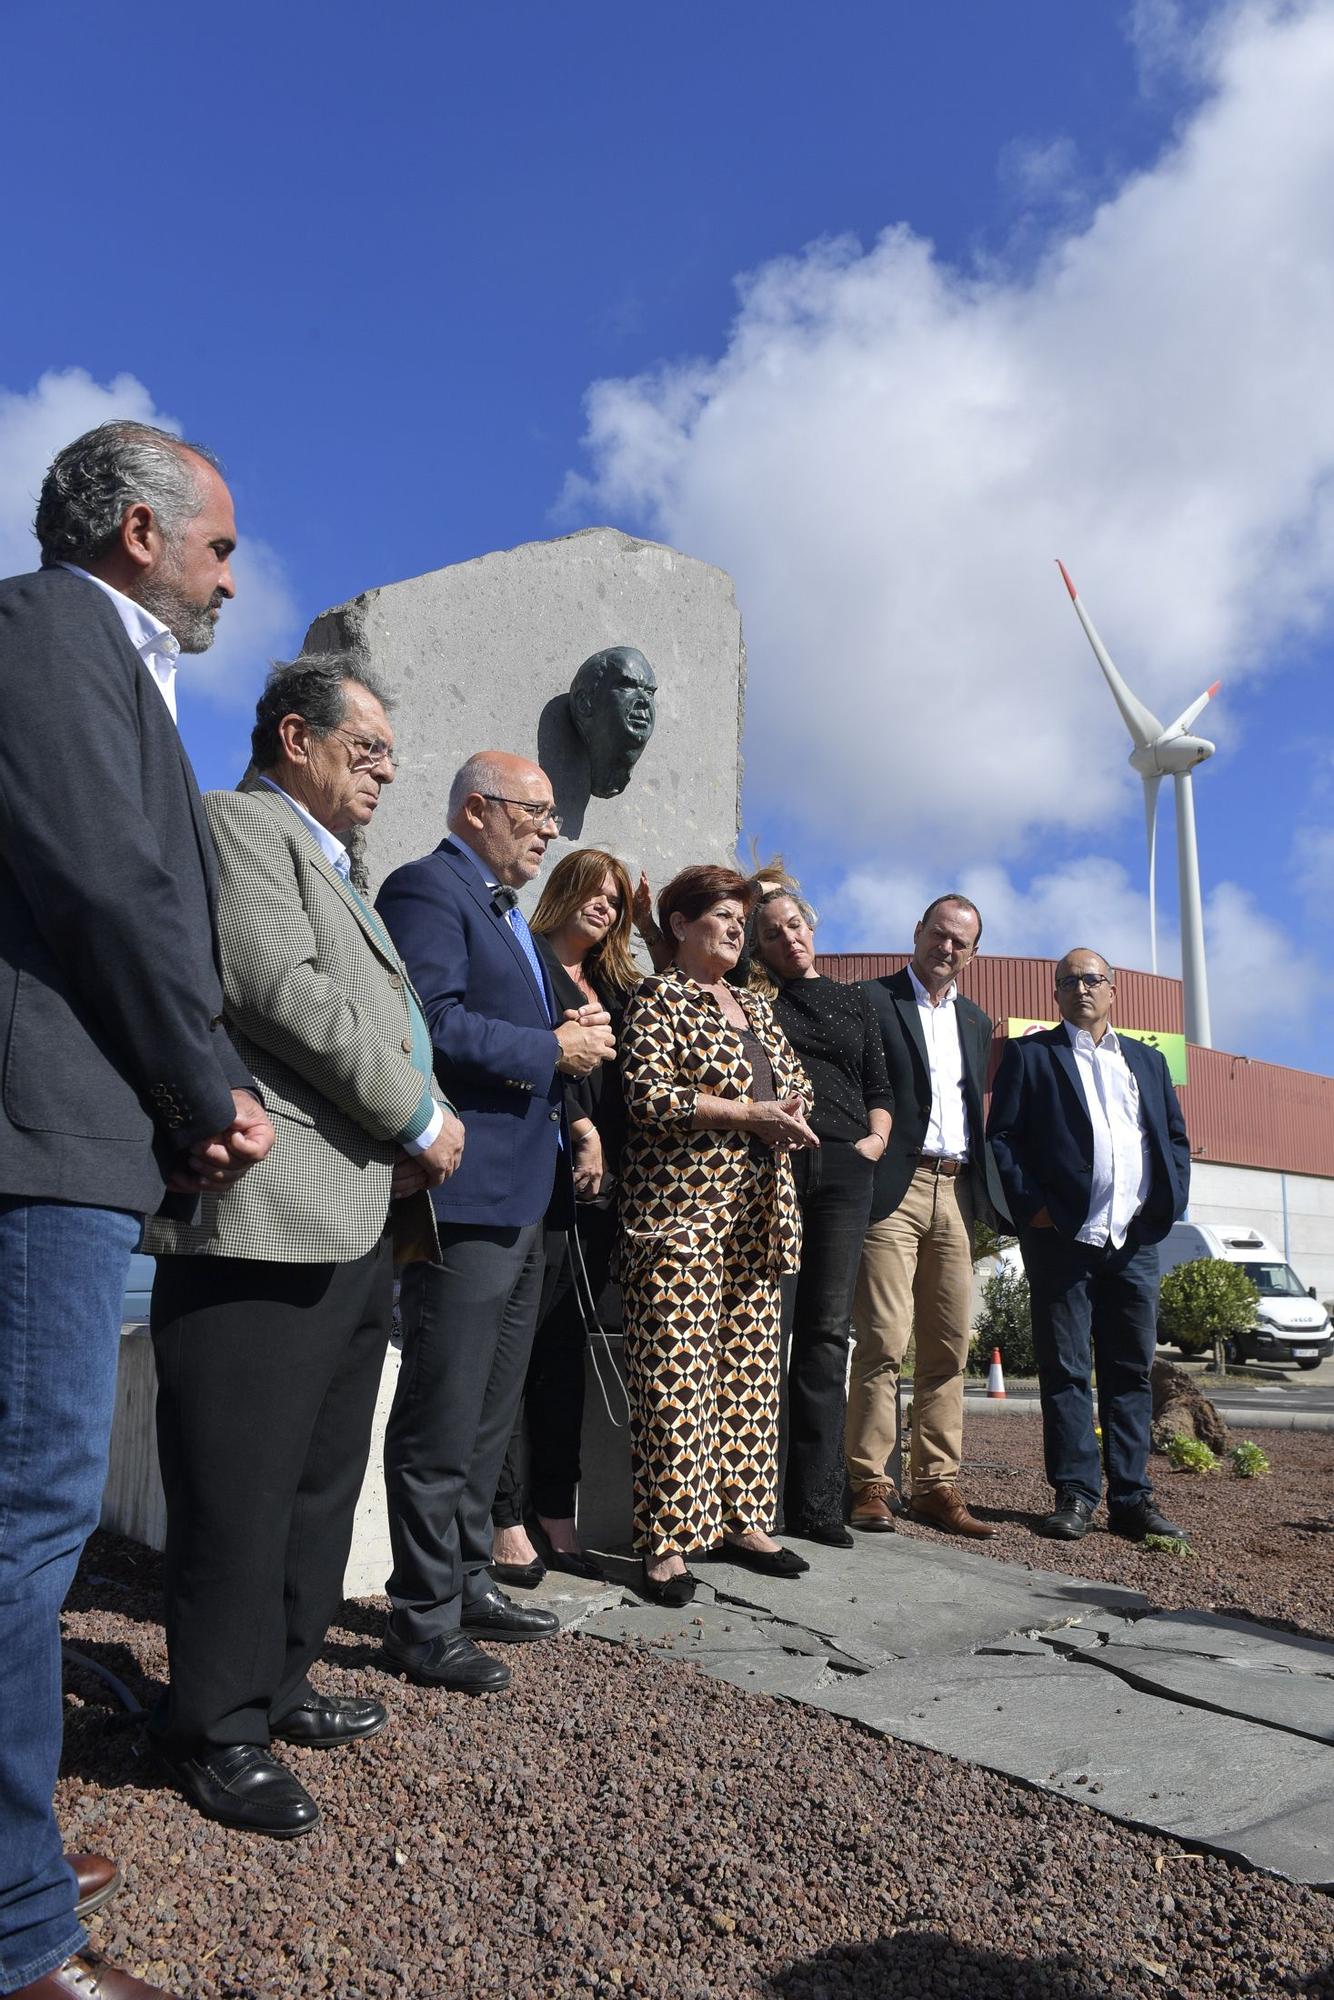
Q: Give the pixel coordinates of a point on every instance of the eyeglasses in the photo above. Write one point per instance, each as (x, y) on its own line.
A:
(370, 750)
(1093, 980)
(539, 815)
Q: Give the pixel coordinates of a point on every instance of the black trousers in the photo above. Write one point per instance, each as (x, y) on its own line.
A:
(1094, 1306)
(467, 1331)
(541, 1468)
(834, 1189)
(267, 1380)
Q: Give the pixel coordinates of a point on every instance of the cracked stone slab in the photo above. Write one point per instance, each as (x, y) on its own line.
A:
(1298, 1702)
(1237, 1641)
(901, 1599)
(1215, 1781)
(797, 1677)
(690, 1627)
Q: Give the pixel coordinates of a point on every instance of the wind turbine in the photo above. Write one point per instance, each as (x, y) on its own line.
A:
(1158, 753)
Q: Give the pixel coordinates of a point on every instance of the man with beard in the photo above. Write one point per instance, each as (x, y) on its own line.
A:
(120, 1083)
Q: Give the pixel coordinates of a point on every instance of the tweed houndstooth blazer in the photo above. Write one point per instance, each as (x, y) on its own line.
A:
(316, 1002)
(676, 1183)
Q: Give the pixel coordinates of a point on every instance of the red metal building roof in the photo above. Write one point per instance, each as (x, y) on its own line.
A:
(1238, 1112)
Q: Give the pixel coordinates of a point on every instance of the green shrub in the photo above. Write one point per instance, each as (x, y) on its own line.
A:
(1004, 1322)
(1247, 1460)
(1205, 1301)
(1167, 1545)
(1190, 1454)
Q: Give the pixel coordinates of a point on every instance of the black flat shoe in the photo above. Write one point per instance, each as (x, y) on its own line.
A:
(765, 1562)
(673, 1591)
(329, 1720)
(829, 1534)
(519, 1576)
(576, 1562)
(240, 1784)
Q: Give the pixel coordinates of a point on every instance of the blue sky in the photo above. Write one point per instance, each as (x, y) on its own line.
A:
(428, 281)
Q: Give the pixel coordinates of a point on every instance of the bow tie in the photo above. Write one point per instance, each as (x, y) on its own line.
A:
(503, 900)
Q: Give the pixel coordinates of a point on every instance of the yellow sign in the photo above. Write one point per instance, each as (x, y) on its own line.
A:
(1172, 1047)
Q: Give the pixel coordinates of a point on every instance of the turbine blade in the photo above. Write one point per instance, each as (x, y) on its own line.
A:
(1143, 724)
(1151, 784)
(1188, 715)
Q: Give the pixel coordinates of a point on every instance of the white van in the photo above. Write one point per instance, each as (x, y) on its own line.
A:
(1290, 1323)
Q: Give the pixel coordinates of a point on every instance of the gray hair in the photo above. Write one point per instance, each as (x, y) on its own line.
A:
(313, 686)
(481, 773)
(91, 485)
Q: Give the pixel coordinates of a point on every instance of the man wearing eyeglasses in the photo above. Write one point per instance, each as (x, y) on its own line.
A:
(502, 1049)
(271, 1313)
(1092, 1152)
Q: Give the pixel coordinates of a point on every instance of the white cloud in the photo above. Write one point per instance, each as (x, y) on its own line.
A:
(261, 620)
(891, 451)
(1313, 855)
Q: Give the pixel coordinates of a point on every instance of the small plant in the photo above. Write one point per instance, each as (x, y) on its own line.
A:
(1188, 1454)
(1247, 1460)
(1167, 1545)
(1004, 1322)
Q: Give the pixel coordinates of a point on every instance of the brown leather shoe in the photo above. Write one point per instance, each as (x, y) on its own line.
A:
(943, 1507)
(91, 1979)
(98, 1880)
(872, 1507)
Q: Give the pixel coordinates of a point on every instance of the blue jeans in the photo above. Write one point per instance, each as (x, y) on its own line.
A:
(62, 1277)
(1088, 1306)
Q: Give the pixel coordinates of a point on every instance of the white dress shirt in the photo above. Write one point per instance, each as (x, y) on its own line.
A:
(1120, 1144)
(946, 1134)
(156, 646)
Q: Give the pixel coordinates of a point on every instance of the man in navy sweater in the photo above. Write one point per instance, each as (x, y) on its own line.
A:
(502, 1050)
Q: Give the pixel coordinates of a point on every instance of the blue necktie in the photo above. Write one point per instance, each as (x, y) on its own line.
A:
(519, 925)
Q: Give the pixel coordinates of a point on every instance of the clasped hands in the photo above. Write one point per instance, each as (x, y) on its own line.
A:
(415, 1171)
(586, 1040)
(211, 1166)
(781, 1124)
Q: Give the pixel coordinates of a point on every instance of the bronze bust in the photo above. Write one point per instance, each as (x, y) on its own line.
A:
(613, 709)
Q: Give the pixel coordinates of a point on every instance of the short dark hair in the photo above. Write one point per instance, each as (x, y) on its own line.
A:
(313, 686)
(953, 896)
(694, 890)
(90, 486)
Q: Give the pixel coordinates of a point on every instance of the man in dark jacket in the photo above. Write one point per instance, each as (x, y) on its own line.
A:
(1093, 1155)
(916, 1274)
(120, 1084)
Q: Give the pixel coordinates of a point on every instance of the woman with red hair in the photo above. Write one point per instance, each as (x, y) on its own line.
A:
(715, 1102)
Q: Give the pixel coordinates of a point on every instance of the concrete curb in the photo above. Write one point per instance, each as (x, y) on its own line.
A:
(1246, 1416)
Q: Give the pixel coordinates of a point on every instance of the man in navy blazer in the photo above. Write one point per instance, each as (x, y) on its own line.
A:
(1093, 1156)
(501, 1050)
(120, 1084)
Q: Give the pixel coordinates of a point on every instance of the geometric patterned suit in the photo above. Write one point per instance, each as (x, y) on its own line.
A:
(708, 1226)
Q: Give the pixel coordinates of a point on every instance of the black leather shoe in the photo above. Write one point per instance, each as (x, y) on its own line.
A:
(496, 1617)
(765, 1562)
(1140, 1520)
(452, 1661)
(330, 1719)
(239, 1784)
(1069, 1521)
(829, 1534)
(519, 1576)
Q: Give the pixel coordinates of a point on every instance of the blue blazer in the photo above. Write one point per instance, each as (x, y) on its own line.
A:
(1041, 1135)
(495, 1053)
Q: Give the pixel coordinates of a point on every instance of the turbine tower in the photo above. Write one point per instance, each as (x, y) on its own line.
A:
(1159, 752)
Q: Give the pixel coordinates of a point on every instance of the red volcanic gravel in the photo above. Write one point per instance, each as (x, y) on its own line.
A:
(617, 1824)
(1262, 1548)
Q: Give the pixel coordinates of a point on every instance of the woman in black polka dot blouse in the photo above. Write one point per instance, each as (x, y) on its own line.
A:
(837, 1039)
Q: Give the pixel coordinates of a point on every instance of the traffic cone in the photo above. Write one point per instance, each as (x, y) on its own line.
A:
(995, 1376)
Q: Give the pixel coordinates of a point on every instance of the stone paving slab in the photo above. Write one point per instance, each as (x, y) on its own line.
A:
(914, 1598)
(1215, 1781)
(1238, 1641)
(1300, 1703)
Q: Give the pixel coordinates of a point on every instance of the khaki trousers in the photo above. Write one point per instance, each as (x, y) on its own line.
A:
(916, 1270)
